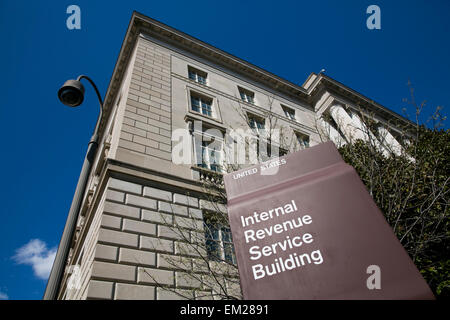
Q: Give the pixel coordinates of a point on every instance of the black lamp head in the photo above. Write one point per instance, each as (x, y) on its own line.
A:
(71, 93)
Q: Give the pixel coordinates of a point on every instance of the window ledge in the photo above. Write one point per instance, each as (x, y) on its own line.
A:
(192, 115)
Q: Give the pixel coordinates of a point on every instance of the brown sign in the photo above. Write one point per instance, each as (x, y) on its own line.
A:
(305, 227)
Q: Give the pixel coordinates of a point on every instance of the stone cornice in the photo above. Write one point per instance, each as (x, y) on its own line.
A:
(184, 41)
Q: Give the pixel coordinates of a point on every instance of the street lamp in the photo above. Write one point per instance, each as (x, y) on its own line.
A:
(72, 94)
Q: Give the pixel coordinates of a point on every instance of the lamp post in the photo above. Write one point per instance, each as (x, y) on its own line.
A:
(72, 94)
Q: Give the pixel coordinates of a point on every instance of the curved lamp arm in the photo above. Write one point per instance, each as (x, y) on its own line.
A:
(57, 272)
(95, 88)
(100, 100)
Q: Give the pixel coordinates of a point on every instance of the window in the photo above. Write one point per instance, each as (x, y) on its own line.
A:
(283, 152)
(227, 243)
(247, 96)
(302, 140)
(208, 151)
(201, 104)
(256, 123)
(290, 113)
(219, 244)
(197, 75)
(268, 151)
(210, 157)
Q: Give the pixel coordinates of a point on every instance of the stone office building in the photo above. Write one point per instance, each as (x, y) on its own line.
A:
(164, 80)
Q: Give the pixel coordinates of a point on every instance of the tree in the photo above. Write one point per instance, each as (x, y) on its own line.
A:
(412, 190)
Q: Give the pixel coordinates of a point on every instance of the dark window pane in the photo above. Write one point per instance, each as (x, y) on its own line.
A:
(229, 252)
(303, 140)
(206, 108)
(213, 250)
(211, 231)
(192, 75)
(212, 242)
(195, 102)
(228, 247)
(226, 235)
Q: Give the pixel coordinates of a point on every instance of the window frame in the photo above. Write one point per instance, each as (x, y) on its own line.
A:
(198, 74)
(215, 111)
(202, 101)
(253, 118)
(287, 112)
(221, 242)
(210, 161)
(246, 95)
(206, 163)
(300, 137)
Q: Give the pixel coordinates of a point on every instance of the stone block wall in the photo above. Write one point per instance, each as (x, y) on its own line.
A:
(146, 246)
(146, 127)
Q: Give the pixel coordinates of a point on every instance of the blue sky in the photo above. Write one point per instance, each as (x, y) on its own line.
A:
(44, 142)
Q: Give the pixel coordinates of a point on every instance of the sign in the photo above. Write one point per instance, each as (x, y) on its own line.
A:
(305, 227)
